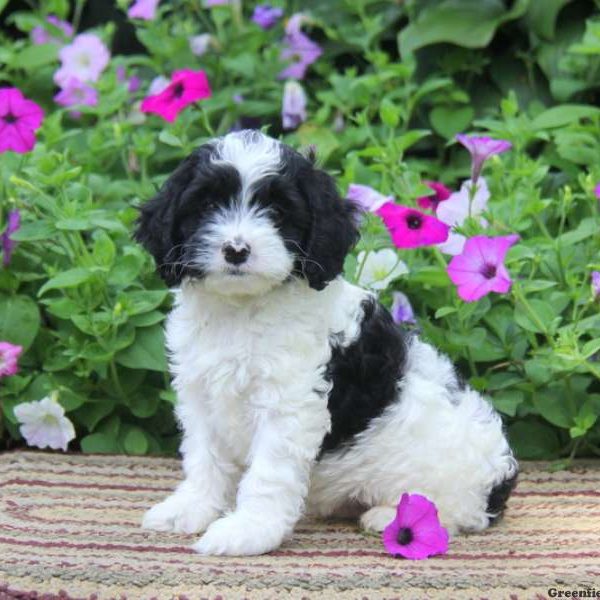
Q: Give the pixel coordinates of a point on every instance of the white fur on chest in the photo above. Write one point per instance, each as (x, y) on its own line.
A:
(233, 359)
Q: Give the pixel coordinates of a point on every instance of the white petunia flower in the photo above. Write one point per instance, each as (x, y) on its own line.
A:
(43, 423)
(380, 269)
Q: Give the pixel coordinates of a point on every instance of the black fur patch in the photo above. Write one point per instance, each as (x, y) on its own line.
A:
(498, 497)
(365, 375)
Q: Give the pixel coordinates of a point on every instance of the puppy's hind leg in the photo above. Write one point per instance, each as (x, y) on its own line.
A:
(377, 518)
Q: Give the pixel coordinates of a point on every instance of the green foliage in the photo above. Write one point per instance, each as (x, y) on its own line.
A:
(396, 82)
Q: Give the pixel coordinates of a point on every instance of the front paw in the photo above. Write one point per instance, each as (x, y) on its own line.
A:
(240, 535)
(179, 513)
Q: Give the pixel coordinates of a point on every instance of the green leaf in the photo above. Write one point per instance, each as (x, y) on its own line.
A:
(445, 310)
(143, 403)
(34, 231)
(170, 139)
(67, 279)
(541, 16)
(19, 320)
(33, 57)
(146, 352)
(92, 413)
(532, 440)
(545, 318)
(100, 443)
(508, 401)
(466, 23)
(389, 113)
(448, 121)
(143, 301)
(135, 441)
(125, 270)
(559, 116)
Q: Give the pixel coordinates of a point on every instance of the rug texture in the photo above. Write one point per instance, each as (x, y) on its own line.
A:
(69, 528)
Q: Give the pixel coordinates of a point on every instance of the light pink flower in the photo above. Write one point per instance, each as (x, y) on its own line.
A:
(480, 268)
(298, 48)
(481, 148)
(366, 197)
(84, 59)
(186, 87)
(440, 193)
(76, 93)
(44, 424)
(410, 228)
(293, 106)
(13, 224)
(416, 532)
(596, 284)
(19, 119)
(41, 35)
(457, 208)
(9, 355)
(199, 44)
(158, 85)
(402, 310)
(143, 9)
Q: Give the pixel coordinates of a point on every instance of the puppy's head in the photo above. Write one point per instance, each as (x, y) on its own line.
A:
(245, 213)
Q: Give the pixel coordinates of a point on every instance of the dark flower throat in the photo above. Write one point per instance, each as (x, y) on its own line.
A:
(405, 536)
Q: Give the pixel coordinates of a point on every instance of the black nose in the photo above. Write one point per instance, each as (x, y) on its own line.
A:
(235, 253)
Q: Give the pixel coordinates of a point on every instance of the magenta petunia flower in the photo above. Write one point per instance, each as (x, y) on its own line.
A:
(481, 148)
(9, 355)
(298, 48)
(41, 35)
(19, 119)
(8, 245)
(596, 284)
(402, 310)
(597, 191)
(410, 228)
(440, 193)
(143, 9)
(416, 532)
(185, 88)
(480, 268)
(84, 59)
(266, 16)
(293, 107)
(76, 93)
(367, 198)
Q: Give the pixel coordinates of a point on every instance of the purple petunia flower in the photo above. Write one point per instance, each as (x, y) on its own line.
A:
(266, 16)
(597, 191)
(133, 83)
(481, 148)
(366, 197)
(416, 532)
(293, 108)
(76, 93)
(480, 268)
(440, 193)
(298, 48)
(8, 245)
(84, 59)
(596, 285)
(9, 355)
(410, 228)
(402, 310)
(143, 9)
(41, 35)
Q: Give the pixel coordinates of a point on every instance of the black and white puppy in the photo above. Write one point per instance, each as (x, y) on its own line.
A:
(296, 391)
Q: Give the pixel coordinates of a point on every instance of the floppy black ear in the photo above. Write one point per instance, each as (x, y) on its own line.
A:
(157, 227)
(333, 229)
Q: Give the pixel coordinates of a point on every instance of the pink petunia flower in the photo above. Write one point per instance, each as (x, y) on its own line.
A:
(299, 48)
(416, 532)
(19, 119)
(481, 148)
(41, 35)
(76, 93)
(143, 9)
(8, 245)
(458, 207)
(266, 16)
(402, 310)
(366, 197)
(9, 355)
(185, 88)
(410, 228)
(480, 268)
(84, 59)
(596, 285)
(293, 106)
(440, 193)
